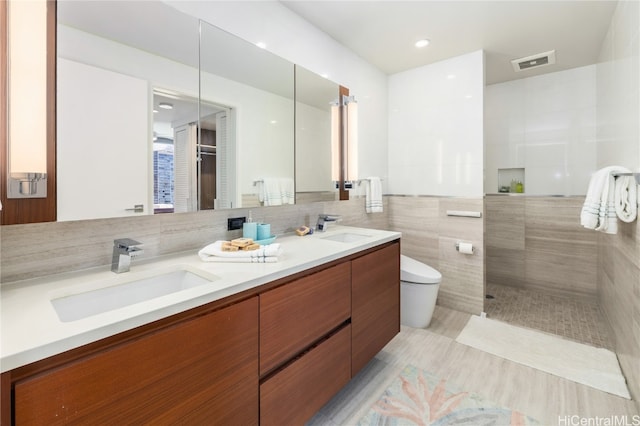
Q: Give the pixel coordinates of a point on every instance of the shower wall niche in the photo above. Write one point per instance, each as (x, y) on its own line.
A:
(511, 180)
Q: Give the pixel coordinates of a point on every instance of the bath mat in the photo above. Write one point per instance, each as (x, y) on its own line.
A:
(417, 397)
(584, 364)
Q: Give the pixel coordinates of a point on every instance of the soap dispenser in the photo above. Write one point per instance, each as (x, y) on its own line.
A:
(250, 228)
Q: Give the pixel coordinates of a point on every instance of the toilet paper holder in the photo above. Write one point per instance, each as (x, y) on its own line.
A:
(465, 248)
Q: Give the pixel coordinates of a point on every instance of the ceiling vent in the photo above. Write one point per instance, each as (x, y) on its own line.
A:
(534, 61)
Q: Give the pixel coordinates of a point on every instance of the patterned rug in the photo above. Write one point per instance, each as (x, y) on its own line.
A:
(418, 397)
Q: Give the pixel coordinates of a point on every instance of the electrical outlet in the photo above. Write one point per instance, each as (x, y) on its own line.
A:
(234, 223)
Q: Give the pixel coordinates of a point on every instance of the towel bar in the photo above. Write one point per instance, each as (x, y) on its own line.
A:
(463, 213)
(636, 175)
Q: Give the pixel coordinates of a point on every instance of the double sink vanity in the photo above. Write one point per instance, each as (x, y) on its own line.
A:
(179, 340)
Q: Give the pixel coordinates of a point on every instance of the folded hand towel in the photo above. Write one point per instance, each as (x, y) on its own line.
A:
(626, 198)
(599, 211)
(373, 195)
(265, 254)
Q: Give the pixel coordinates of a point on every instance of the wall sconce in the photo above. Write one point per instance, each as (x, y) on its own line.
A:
(351, 148)
(27, 99)
(335, 141)
(344, 121)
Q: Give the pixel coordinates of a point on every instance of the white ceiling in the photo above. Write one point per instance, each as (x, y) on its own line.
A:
(384, 32)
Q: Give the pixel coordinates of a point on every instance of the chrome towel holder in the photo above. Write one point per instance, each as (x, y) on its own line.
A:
(636, 175)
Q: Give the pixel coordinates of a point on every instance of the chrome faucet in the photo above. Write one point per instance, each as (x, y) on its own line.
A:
(123, 250)
(323, 221)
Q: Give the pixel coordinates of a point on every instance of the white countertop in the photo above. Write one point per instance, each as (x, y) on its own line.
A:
(31, 329)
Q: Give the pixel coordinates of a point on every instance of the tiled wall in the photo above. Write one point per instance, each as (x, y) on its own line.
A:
(28, 251)
(430, 152)
(429, 235)
(538, 243)
(619, 143)
(546, 125)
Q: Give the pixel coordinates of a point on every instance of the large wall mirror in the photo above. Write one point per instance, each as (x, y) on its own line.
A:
(147, 125)
(314, 97)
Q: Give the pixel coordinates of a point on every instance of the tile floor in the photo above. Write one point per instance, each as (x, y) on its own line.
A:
(549, 399)
(575, 319)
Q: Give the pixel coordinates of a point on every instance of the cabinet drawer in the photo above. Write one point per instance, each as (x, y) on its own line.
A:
(190, 373)
(295, 394)
(296, 315)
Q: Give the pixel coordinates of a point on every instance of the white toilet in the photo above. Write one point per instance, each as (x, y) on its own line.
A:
(419, 284)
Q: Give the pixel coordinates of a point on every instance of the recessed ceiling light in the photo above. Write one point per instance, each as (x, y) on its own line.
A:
(422, 43)
(261, 45)
(165, 105)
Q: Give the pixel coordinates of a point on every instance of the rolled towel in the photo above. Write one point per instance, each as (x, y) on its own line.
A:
(599, 210)
(626, 198)
(265, 254)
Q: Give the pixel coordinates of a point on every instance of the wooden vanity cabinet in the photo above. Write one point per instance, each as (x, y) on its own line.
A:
(375, 299)
(199, 371)
(274, 357)
(348, 312)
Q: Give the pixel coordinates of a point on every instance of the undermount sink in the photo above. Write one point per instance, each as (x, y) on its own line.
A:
(346, 237)
(93, 302)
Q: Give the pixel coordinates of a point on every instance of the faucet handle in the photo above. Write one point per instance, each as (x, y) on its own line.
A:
(126, 243)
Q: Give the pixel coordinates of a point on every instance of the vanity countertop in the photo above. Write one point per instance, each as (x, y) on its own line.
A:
(31, 329)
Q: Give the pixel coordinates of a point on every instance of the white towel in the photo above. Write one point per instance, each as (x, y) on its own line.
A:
(626, 198)
(373, 195)
(265, 254)
(599, 211)
(287, 190)
(277, 191)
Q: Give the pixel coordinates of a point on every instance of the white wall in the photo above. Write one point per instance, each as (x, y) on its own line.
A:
(618, 93)
(291, 37)
(546, 125)
(435, 128)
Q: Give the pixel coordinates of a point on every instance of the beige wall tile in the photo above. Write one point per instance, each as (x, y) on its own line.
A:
(505, 266)
(554, 253)
(504, 222)
(429, 235)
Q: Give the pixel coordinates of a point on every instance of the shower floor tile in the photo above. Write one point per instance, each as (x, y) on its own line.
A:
(578, 320)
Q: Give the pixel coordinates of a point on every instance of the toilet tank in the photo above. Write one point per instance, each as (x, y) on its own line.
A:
(413, 271)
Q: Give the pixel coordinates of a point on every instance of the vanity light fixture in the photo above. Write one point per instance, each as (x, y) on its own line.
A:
(351, 149)
(27, 99)
(344, 121)
(335, 141)
(422, 43)
(165, 105)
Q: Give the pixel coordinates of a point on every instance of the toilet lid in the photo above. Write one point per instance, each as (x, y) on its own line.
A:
(417, 272)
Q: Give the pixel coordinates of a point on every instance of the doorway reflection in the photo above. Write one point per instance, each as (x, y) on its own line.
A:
(192, 162)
